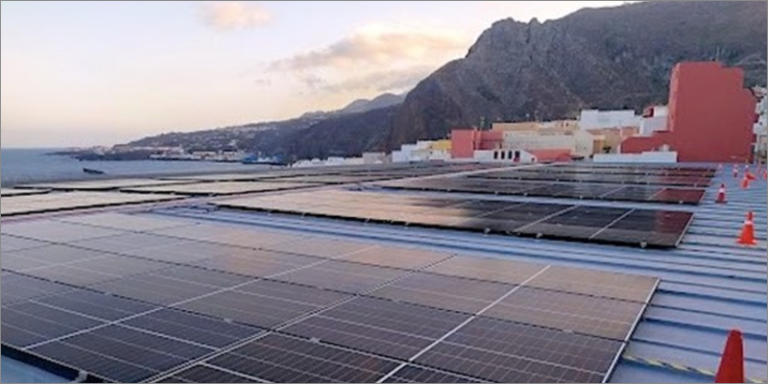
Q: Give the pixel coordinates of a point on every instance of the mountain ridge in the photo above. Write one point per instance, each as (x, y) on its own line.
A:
(618, 57)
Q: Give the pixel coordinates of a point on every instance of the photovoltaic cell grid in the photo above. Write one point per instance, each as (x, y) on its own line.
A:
(219, 188)
(9, 192)
(502, 186)
(102, 185)
(638, 227)
(686, 177)
(56, 202)
(629, 170)
(337, 311)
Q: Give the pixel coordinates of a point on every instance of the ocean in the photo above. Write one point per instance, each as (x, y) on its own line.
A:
(21, 166)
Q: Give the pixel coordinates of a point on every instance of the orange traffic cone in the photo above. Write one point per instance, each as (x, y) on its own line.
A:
(747, 236)
(721, 195)
(745, 182)
(731, 368)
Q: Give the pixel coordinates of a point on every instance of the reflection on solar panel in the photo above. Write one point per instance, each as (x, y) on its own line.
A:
(556, 190)
(331, 179)
(599, 175)
(415, 374)
(124, 222)
(218, 188)
(315, 309)
(8, 192)
(56, 202)
(102, 185)
(654, 228)
(504, 352)
(282, 359)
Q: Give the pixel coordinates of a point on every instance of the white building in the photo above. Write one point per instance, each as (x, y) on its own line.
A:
(595, 119)
(421, 151)
(580, 143)
(656, 121)
(760, 127)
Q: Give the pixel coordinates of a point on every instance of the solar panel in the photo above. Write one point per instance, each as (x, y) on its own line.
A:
(96, 304)
(293, 292)
(596, 283)
(12, 243)
(444, 292)
(124, 243)
(283, 359)
(320, 247)
(501, 186)
(506, 352)
(54, 231)
(155, 289)
(382, 327)
(186, 310)
(489, 269)
(342, 276)
(58, 202)
(579, 223)
(560, 221)
(206, 374)
(124, 222)
(598, 175)
(397, 257)
(121, 354)
(257, 263)
(647, 228)
(415, 374)
(218, 188)
(244, 308)
(197, 329)
(587, 315)
(19, 288)
(29, 323)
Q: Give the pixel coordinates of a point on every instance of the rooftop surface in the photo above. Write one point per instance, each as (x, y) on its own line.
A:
(709, 284)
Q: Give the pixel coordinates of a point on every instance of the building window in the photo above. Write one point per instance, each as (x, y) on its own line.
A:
(495, 155)
(502, 154)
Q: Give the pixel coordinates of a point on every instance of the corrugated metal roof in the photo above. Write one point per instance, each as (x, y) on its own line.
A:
(709, 284)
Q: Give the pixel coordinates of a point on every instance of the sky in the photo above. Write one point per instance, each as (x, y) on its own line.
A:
(102, 73)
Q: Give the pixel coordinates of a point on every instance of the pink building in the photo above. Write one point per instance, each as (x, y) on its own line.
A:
(465, 141)
(710, 118)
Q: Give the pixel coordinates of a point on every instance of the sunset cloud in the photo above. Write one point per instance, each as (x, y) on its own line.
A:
(374, 59)
(379, 45)
(233, 15)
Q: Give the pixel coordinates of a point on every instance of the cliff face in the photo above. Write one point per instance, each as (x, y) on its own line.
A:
(595, 58)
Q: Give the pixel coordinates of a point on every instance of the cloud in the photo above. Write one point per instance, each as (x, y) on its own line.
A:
(232, 15)
(396, 81)
(378, 46)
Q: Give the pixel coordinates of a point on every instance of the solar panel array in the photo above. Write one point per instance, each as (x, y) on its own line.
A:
(598, 177)
(67, 201)
(219, 188)
(10, 192)
(626, 169)
(506, 186)
(102, 185)
(638, 227)
(135, 298)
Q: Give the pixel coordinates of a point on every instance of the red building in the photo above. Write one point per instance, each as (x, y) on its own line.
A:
(464, 142)
(710, 119)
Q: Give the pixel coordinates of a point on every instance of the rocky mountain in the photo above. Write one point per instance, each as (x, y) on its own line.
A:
(595, 58)
(365, 105)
